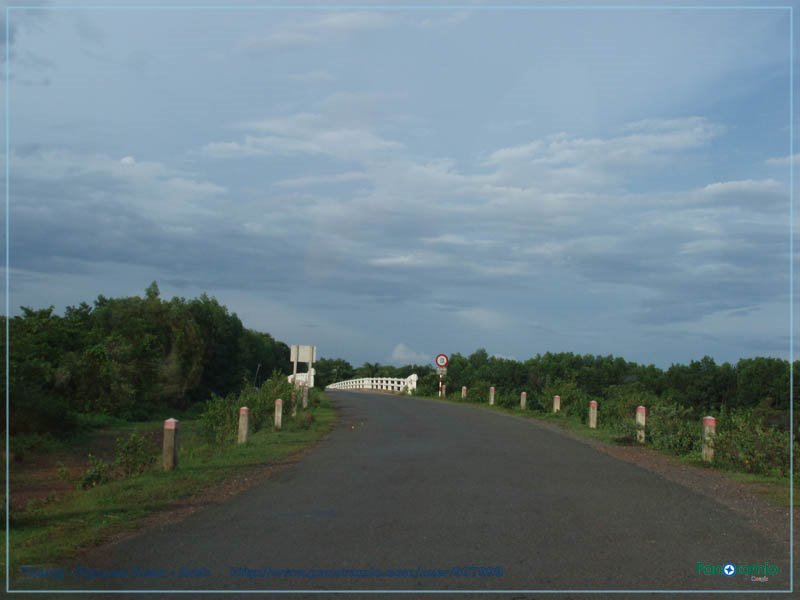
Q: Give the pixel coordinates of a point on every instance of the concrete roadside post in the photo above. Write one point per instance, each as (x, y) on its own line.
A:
(709, 430)
(593, 414)
(244, 425)
(444, 390)
(641, 421)
(278, 413)
(491, 396)
(170, 444)
(463, 392)
(523, 400)
(556, 404)
(305, 396)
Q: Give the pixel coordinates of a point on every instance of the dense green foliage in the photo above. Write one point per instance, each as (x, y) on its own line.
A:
(700, 387)
(219, 422)
(129, 357)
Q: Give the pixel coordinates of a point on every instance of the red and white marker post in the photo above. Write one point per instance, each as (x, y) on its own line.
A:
(278, 413)
(709, 430)
(244, 425)
(641, 423)
(556, 403)
(170, 450)
(593, 414)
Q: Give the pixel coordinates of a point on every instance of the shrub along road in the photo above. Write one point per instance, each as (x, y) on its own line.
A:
(408, 483)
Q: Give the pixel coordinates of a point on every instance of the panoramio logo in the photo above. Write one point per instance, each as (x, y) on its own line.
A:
(730, 569)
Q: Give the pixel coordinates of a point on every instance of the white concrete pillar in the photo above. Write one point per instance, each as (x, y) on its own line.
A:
(305, 397)
(593, 414)
(278, 413)
(491, 396)
(244, 424)
(170, 450)
(556, 403)
(463, 392)
(641, 422)
(523, 400)
(709, 430)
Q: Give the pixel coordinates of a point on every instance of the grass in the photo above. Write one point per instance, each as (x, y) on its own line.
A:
(772, 488)
(52, 531)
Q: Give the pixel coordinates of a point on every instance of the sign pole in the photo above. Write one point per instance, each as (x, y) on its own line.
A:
(441, 363)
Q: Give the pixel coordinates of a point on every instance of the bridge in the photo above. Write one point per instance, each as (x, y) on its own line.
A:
(390, 384)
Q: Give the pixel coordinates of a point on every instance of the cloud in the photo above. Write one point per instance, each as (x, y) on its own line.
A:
(448, 20)
(301, 134)
(318, 76)
(782, 161)
(246, 148)
(349, 22)
(278, 40)
(309, 32)
(454, 229)
(485, 319)
(404, 355)
(556, 207)
(315, 180)
(643, 141)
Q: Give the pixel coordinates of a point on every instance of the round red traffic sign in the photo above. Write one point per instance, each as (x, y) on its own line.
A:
(442, 360)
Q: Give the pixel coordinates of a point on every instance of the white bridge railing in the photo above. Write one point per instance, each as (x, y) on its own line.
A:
(391, 384)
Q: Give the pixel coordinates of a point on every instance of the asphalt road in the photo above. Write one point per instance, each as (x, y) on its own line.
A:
(406, 483)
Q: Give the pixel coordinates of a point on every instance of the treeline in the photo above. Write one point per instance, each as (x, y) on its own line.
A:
(130, 357)
(701, 385)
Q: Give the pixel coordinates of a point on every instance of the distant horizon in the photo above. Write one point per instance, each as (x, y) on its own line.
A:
(389, 184)
(59, 310)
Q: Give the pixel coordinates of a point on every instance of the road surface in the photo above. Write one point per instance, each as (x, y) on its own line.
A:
(416, 494)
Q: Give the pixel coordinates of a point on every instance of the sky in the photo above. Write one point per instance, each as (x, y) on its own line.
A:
(388, 184)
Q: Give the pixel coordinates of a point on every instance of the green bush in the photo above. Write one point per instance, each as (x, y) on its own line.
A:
(33, 410)
(134, 455)
(574, 401)
(621, 402)
(219, 420)
(478, 392)
(743, 443)
(674, 428)
(99, 472)
(624, 430)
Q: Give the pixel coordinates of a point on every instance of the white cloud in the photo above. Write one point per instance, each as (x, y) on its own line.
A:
(349, 22)
(447, 20)
(310, 32)
(404, 355)
(278, 40)
(485, 319)
(318, 76)
(313, 180)
(148, 187)
(782, 161)
(407, 260)
(243, 149)
(646, 139)
(304, 133)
